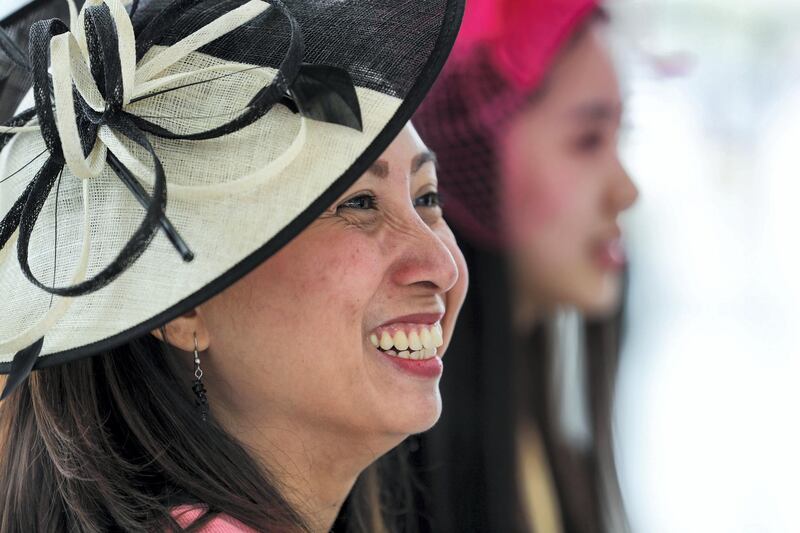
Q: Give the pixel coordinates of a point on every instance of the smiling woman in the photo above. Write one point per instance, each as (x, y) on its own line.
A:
(379, 260)
(234, 359)
(375, 261)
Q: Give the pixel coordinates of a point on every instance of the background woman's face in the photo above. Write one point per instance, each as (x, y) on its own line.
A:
(293, 342)
(564, 186)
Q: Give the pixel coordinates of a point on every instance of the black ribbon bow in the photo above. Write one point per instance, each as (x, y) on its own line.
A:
(319, 92)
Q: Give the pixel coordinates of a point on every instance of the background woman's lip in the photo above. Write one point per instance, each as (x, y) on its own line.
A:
(418, 318)
(611, 255)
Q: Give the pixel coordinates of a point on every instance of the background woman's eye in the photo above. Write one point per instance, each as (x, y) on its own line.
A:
(431, 199)
(589, 142)
(365, 201)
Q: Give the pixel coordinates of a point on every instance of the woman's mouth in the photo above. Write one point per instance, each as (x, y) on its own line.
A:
(610, 255)
(411, 344)
(408, 341)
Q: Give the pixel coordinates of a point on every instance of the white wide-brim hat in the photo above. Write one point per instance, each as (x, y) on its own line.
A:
(167, 148)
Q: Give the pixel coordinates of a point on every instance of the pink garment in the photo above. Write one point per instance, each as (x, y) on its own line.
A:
(186, 515)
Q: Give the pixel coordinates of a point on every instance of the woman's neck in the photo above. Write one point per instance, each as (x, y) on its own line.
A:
(315, 471)
(529, 311)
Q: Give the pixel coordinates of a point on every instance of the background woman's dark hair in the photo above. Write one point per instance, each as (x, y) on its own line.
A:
(495, 382)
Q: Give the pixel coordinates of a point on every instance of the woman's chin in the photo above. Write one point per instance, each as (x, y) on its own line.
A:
(430, 418)
(410, 400)
(603, 298)
(415, 415)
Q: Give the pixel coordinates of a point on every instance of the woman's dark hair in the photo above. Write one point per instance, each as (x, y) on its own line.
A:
(385, 498)
(115, 443)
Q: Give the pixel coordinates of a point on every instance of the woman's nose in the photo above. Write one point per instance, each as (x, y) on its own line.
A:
(623, 191)
(424, 260)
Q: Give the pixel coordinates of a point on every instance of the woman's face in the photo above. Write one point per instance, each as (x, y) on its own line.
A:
(293, 343)
(564, 186)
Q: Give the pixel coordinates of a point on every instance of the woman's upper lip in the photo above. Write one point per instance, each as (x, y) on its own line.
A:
(416, 318)
(614, 234)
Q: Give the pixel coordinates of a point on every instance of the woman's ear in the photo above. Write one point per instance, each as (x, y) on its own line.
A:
(181, 332)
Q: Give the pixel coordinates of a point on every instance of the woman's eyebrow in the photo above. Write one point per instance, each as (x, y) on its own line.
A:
(421, 159)
(598, 111)
(380, 168)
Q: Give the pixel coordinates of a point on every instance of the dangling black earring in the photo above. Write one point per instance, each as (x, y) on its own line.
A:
(200, 400)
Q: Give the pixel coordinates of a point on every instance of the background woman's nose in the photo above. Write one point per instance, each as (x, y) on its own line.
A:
(622, 191)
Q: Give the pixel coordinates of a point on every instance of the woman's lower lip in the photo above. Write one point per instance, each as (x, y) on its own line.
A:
(611, 256)
(422, 368)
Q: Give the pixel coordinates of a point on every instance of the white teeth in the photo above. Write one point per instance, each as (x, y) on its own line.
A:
(413, 341)
(436, 333)
(400, 340)
(425, 338)
(386, 341)
(416, 344)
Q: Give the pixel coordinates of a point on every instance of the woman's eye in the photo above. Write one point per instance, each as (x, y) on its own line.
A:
(589, 142)
(431, 199)
(365, 201)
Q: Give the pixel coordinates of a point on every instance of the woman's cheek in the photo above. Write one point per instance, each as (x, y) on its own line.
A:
(531, 188)
(533, 202)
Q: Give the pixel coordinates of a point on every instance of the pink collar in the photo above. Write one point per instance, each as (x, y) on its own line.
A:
(186, 515)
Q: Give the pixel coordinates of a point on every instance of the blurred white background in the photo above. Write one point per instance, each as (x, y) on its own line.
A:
(707, 415)
(7, 7)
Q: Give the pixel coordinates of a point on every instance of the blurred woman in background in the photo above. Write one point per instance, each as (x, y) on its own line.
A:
(525, 121)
